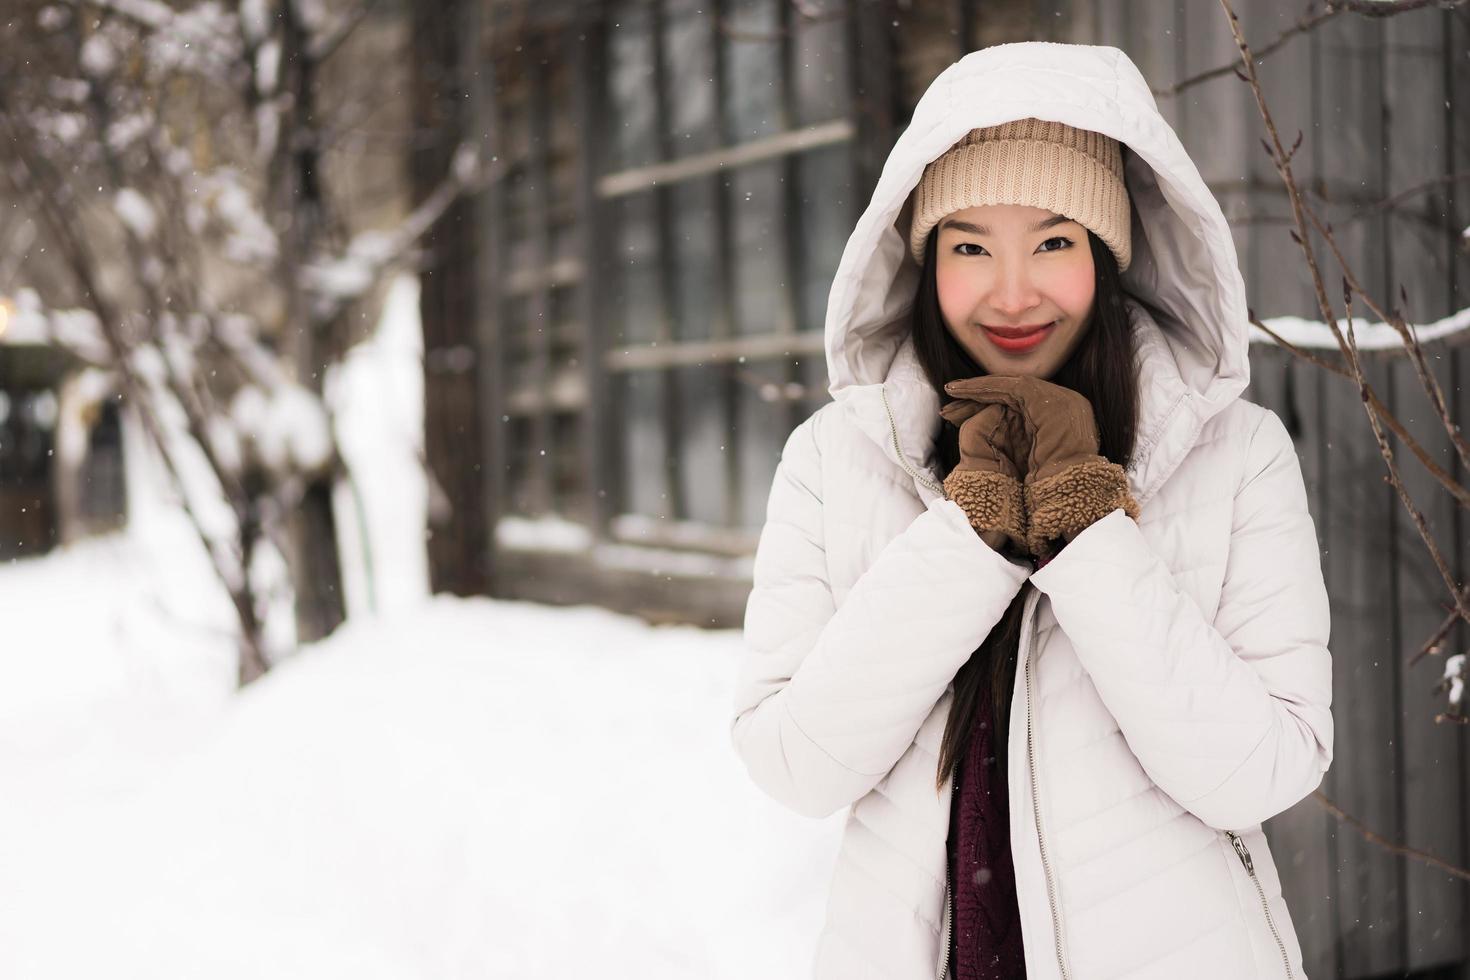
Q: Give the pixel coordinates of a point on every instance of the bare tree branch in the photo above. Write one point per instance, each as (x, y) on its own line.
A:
(1388, 8)
(1307, 22)
(1413, 854)
(1432, 645)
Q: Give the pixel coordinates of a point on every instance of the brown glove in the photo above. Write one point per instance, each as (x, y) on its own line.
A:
(1068, 485)
(986, 482)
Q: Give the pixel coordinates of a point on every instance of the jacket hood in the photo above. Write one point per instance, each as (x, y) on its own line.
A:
(1186, 296)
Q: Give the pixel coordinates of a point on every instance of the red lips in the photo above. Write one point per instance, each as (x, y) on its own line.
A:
(1019, 340)
(1015, 331)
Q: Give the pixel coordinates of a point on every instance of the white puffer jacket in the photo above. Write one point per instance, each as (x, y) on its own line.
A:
(1174, 685)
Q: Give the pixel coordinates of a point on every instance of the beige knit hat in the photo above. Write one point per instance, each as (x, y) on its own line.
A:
(1034, 162)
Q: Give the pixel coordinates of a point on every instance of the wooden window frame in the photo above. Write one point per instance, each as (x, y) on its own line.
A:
(574, 36)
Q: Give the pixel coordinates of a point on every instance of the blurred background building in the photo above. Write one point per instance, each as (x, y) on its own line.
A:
(61, 474)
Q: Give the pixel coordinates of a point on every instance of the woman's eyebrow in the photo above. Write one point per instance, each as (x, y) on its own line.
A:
(1042, 225)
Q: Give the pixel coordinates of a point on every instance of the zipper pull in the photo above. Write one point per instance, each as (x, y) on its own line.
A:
(1240, 849)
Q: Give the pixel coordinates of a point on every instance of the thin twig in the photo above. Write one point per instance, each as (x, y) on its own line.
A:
(1388, 8)
(1432, 645)
(1388, 845)
(1413, 189)
(1306, 23)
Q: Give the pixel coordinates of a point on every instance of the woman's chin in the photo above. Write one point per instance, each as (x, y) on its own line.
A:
(1013, 366)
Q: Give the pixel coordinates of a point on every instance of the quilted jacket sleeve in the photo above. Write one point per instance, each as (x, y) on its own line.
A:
(1232, 718)
(828, 698)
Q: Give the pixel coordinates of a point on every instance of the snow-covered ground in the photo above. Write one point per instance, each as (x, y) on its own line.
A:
(471, 788)
(444, 788)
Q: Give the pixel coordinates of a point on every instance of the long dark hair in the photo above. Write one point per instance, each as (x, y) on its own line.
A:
(1100, 368)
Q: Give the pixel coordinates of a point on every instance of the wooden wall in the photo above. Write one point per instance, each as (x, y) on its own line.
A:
(1382, 108)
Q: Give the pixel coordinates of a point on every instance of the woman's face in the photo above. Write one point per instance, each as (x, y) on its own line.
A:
(1009, 266)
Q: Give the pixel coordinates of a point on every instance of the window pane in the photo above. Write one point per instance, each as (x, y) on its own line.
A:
(512, 97)
(27, 421)
(820, 71)
(693, 125)
(565, 328)
(752, 61)
(637, 306)
(645, 447)
(519, 465)
(567, 145)
(104, 492)
(825, 180)
(761, 429)
(696, 274)
(516, 337)
(568, 474)
(702, 450)
(634, 140)
(760, 271)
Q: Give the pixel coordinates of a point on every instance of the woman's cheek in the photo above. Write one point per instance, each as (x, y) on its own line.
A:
(1074, 291)
(956, 297)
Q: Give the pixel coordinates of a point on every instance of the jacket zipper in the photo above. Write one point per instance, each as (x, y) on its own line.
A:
(1245, 859)
(948, 924)
(898, 449)
(1056, 919)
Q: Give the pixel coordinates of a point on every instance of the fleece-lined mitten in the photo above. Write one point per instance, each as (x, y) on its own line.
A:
(1068, 485)
(986, 482)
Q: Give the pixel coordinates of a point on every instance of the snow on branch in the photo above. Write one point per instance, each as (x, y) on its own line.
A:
(1369, 335)
(76, 331)
(204, 38)
(247, 237)
(337, 281)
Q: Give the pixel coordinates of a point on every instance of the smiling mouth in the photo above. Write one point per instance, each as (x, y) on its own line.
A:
(1019, 340)
(1016, 333)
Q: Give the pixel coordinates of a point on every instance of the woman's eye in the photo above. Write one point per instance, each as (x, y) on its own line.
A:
(1066, 243)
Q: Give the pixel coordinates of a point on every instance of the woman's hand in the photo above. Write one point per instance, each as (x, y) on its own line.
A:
(986, 482)
(1068, 485)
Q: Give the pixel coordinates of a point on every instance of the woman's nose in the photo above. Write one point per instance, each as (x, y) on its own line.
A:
(1012, 292)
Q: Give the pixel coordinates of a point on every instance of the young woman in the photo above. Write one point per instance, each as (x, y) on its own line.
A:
(1038, 594)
